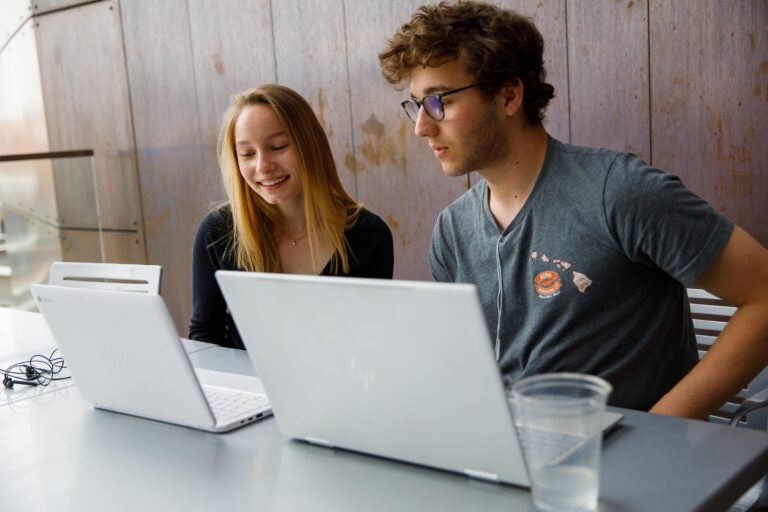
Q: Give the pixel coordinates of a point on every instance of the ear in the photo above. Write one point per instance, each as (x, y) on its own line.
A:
(512, 97)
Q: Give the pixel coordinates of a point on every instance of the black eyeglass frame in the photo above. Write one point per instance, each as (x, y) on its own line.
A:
(421, 103)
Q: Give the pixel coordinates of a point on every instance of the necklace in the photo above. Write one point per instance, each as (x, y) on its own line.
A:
(296, 240)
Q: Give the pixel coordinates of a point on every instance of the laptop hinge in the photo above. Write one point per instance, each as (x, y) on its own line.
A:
(319, 442)
(481, 475)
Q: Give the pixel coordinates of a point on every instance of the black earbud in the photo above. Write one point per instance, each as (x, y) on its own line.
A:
(9, 382)
(33, 373)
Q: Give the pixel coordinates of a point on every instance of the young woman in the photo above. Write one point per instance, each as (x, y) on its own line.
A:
(286, 210)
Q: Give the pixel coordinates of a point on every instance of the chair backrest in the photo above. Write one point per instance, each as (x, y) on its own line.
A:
(710, 315)
(107, 276)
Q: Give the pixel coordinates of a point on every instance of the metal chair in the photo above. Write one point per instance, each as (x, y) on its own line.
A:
(710, 315)
(107, 276)
(749, 407)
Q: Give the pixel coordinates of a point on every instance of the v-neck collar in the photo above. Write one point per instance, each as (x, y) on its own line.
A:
(551, 142)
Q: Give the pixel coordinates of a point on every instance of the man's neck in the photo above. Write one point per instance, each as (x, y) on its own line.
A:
(512, 178)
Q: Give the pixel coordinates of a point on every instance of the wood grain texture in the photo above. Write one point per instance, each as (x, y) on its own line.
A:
(159, 57)
(397, 176)
(84, 246)
(708, 94)
(608, 75)
(87, 246)
(311, 56)
(709, 97)
(87, 105)
(230, 54)
(45, 6)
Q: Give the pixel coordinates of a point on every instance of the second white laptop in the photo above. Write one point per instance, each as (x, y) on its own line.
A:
(400, 369)
(125, 355)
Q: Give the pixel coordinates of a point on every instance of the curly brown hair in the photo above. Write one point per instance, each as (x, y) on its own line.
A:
(495, 45)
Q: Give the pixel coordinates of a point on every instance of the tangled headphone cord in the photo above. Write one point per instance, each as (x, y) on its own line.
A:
(38, 370)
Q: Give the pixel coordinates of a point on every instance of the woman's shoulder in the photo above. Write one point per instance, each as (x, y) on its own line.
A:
(217, 219)
(367, 221)
(216, 227)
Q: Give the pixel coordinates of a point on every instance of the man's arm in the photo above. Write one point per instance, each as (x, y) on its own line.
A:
(739, 275)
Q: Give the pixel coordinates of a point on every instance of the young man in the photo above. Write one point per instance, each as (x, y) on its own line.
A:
(581, 256)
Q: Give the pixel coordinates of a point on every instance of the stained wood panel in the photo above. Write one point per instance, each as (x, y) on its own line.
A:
(88, 246)
(311, 57)
(224, 66)
(608, 74)
(709, 90)
(44, 6)
(173, 180)
(85, 89)
(708, 94)
(397, 176)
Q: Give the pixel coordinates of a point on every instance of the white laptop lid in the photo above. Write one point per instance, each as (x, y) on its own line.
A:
(124, 353)
(401, 369)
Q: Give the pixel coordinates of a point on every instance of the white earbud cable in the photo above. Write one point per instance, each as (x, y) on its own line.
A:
(499, 298)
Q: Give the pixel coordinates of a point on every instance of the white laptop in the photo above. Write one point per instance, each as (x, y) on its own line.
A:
(125, 355)
(400, 369)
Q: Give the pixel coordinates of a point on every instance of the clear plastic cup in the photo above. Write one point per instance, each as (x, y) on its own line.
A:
(559, 420)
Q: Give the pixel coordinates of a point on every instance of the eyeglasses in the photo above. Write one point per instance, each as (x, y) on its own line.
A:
(432, 103)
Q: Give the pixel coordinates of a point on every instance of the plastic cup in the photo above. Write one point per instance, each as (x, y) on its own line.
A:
(559, 420)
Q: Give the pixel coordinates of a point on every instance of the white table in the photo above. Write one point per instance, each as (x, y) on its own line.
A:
(60, 454)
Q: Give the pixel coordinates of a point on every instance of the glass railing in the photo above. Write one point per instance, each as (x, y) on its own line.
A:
(49, 211)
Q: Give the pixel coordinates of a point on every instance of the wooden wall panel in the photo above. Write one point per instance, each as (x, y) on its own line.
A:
(173, 180)
(709, 96)
(397, 176)
(183, 59)
(224, 66)
(86, 246)
(44, 6)
(87, 105)
(22, 111)
(608, 73)
(311, 57)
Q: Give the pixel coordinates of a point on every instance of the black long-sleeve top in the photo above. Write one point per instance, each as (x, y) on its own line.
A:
(371, 254)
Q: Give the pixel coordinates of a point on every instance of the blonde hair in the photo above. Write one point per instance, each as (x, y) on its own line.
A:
(328, 208)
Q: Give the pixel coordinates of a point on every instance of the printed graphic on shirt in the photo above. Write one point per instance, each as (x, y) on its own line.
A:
(581, 281)
(548, 283)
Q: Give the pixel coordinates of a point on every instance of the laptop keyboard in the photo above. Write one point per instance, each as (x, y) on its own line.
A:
(230, 405)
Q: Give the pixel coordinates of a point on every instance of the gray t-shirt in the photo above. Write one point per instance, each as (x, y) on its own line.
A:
(594, 269)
